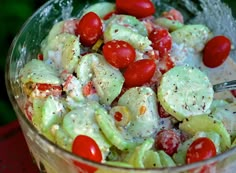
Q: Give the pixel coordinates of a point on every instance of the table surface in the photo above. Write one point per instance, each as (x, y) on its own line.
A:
(14, 154)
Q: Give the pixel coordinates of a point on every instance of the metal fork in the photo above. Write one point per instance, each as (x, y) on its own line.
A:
(229, 85)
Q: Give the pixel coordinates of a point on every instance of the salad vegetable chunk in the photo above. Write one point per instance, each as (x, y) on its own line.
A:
(121, 86)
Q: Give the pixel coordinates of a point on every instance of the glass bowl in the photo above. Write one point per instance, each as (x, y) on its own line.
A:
(49, 157)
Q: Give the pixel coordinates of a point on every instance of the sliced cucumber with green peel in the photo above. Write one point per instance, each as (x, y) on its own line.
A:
(194, 36)
(62, 51)
(37, 71)
(141, 102)
(130, 22)
(185, 91)
(227, 115)
(137, 156)
(152, 159)
(108, 127)
(63, 139)
(119, 32)
(52, 112)
(107, 80)
(172, 25)
(101, 8)
(206, 123)
(166, 160)
(37, 110)
(82, 121)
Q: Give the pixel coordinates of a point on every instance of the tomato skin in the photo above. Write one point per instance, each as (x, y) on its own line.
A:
(89, 28)
(137, 8)
(196, 153)
(161, 40)
(167, 140)
(139, 72)
(161, 111)
(174, 14)
(216, 51)
(119, 53)
(86, 147)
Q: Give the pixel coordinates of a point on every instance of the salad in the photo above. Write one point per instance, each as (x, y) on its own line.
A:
(124, 87)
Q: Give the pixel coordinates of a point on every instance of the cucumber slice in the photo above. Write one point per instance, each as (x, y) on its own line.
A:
(37, 112)
(37, 71)
(185, 91)
(151, 159)
(63, 139)
(141, 101)
(101, 8)
(130, 22)
(194, 36)
(166, 160)
(82, 121)
(107, 80)
(119, 32)
(108, 127)
(136, 158)
(62, 51)
(227, 115)
(172, 25)
(52, 111)
(206, 123)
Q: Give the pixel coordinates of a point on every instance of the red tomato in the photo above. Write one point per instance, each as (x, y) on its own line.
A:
(161, 40)
(201, 149)
(88, 89)
(86, 147)
(233, 92)
(119, 53)
(167, 140)
(139, 72)
(107, 16)
(137, 8)
(174, 14)
(49, 89)
(216, 51)
(89, 28)
(161, 111)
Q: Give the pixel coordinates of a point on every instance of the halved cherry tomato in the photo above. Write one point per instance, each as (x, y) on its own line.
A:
(84, 146)
(216, 51)
(161, 40)
(119, 53)
(139, 72)
(108, 15)
(40, 56)
(137, 8)
(167, 140)
(174, 14)
(201, 149)
(89, 28)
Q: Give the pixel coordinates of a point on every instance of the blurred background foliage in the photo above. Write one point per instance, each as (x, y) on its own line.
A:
(13, 14)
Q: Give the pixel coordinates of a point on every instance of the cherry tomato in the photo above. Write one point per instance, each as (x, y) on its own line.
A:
(167, 140)
(119, 53)
(216, 51)
(107, 16)
(161, 40)
(161, 111)
(137, 8)
(86, 147)
(89, 28)
(201, 149)
(174, 14)
(88, 89)
(139, 72)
